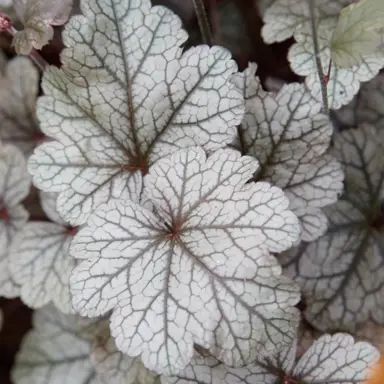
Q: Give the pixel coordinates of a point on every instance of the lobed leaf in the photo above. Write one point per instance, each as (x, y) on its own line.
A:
(197, 270)
(341, 273)
(284, 17)
(357, 32)
(39, 260)
(289, 135)
(343, 83)
(114, 367)
(126, 97)
(56, 351)
(14, 187)
(37, 17)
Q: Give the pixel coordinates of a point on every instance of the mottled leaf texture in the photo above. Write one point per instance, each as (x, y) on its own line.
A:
(342, 273)
(343, 83)
(19, 86)
(37, 17)
(14, 187)
(366, 107)
(114, 367)
(284, 17)
(127, 96)
(289, 135)
(331, 359)
(56, 351)
(39, 260)
(199, 271)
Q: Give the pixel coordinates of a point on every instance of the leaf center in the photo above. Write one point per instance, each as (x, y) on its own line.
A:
(4, 215)
(71, 231)
(140, 165)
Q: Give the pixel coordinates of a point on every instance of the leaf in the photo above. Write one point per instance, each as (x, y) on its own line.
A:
(117, 113)
(18, 92)
(56, 351)
(14, 187)
(200, 271)
(331, 359)
(284, 17)
(39, 260)
(114, 367)
(208, 370)
(289, 136)
(366, 107)
(336, 359)
(357, 32)
(344, 83)
(37, 17)
(305, 338)
(342, 273)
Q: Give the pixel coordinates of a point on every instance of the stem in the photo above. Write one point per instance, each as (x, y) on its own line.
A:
(11, 30)
(322, 78)
(203, 21)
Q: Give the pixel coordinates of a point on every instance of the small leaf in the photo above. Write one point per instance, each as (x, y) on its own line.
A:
(336, 359)
(14, 187)
(37, 17)
(199, 270)
(342, 273)
(56, 351)
(114, 112)
(40, 262)
(357, 32)
(284, 17)
(343, 83)
(289, 135)
(18, 92)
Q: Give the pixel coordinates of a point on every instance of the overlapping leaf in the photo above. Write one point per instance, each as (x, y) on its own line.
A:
(39, 259)
(366, 107)
(37, 17)
(18, 92)
(14, 187)
(199, 271)
(114, 367)
(331, 359)
(343, 83)
(342, 273)
(284, 17)
(56, 351)
(358, 32)
(126, 97)
(289, 136)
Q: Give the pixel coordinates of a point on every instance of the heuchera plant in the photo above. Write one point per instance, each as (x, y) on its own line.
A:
(168, 219)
